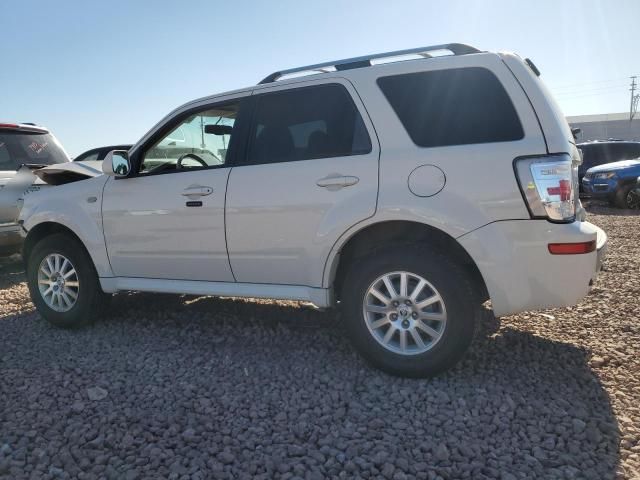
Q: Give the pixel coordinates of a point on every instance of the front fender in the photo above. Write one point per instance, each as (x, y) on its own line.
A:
(76, 206)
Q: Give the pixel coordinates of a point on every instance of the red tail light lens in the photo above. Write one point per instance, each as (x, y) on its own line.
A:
(563, 190)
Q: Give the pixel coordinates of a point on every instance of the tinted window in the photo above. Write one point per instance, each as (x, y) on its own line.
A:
(5, 159)
(87, 156)
(199, 141)
(30, 148)
(594, 154)
(306, 123)
(453, 107)
(624, 151)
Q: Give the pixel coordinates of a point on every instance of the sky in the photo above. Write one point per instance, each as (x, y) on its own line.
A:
(101, 73)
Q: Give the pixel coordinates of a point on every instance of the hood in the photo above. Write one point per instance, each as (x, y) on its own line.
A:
(62, 173)
(607, 167)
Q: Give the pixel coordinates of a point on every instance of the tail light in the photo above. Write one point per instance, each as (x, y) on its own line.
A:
(549, 185)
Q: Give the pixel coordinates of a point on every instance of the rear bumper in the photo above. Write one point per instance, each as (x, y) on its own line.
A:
(601, 251)
(10, 238)
(521, 274)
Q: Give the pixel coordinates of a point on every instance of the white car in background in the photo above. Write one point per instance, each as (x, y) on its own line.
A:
(23, 148)
(406, 193)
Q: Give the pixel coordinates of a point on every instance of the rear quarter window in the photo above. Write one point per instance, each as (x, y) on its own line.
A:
(453, 107)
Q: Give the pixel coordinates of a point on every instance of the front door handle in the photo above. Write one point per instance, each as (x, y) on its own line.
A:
(197, 191)
(335, 181)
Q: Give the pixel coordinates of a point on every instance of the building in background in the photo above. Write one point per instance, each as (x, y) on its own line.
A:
(606, 126)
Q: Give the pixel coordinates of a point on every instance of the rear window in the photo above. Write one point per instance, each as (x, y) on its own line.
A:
(18, 148)
(453, 107)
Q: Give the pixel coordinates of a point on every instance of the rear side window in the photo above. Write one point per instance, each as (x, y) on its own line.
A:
(307, 123)
(453, 107)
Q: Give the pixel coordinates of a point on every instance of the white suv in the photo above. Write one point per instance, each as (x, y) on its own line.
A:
(406, 188)
(23, 147)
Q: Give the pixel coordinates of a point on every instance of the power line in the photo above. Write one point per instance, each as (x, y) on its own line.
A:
(600, 89)
(579, 84)
(593, 94)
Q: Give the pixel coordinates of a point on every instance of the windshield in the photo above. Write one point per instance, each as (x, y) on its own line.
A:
(31, 148)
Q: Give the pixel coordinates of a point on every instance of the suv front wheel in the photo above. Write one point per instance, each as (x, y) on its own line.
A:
(627, 197)
(63, 282)
(409, 311)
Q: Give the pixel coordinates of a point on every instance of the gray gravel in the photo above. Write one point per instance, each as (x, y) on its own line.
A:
(183, 387)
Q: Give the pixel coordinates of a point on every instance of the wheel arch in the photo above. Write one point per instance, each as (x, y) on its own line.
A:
(630, 180)
(44, 229)
(398, 232)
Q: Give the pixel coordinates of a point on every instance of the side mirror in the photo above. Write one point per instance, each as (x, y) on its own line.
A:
(116, 163)
(575, 132)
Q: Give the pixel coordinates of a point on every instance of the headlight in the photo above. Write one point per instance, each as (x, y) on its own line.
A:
(604, 176)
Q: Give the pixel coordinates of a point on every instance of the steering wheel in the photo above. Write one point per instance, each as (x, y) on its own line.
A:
(194, 157)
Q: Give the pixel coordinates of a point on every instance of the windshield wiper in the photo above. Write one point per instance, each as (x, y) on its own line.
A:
(34, 165)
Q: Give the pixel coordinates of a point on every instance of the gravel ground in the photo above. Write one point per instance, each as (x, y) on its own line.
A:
(184, 387)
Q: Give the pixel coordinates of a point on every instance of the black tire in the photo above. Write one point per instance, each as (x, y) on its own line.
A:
(620, 198)
(91, 300)
(450, 280)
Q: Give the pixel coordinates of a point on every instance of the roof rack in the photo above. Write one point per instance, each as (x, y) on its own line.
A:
(365, 61)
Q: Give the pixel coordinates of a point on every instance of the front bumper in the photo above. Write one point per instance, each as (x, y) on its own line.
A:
(597, 189)
(521, 274)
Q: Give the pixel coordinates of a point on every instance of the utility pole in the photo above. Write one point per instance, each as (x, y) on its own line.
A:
(633, 107)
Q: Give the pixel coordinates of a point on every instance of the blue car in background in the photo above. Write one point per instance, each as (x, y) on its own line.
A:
(616, 182)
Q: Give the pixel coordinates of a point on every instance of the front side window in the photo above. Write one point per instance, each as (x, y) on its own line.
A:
(200, 140)
(307, 123)
(458, 106)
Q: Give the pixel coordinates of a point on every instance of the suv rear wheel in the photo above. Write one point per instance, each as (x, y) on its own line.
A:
(63, 282)
(409, 311)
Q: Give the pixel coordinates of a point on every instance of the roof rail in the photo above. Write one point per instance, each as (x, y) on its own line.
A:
(365, 61)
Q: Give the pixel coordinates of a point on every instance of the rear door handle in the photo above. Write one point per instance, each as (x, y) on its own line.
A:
(335, 181)
(197, 191)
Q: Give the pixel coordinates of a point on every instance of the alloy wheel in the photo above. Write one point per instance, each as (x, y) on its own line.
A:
(58, 282)
(633, 199)
(404, 313)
